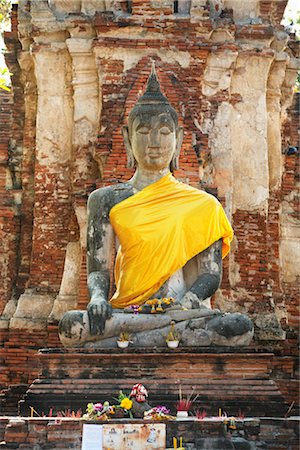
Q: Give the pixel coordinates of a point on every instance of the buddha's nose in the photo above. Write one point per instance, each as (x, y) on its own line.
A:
(154, 139)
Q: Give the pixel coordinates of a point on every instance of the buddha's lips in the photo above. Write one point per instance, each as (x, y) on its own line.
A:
(154, 155)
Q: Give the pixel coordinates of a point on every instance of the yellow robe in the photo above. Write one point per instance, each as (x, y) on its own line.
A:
(161, 228)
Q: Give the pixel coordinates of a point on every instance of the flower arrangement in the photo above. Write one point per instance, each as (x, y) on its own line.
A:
(99, 411)
(153, 306)
(159, 305)
(135, 405)
(158, 413)
(105, 411)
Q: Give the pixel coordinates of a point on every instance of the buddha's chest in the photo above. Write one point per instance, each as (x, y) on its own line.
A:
(174, 287)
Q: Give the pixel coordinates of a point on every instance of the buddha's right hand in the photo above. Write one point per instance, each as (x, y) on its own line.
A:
(99, 310)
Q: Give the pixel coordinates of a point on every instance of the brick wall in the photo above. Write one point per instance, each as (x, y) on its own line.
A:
(9, 221)
(11, 137)
(290, 184)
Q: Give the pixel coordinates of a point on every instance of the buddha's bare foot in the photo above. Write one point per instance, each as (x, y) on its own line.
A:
(190, 301)
(73, 328)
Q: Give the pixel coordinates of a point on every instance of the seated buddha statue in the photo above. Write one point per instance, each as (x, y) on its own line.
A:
(170, 240)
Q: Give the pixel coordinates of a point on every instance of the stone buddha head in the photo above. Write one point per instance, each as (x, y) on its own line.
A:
(153, 138)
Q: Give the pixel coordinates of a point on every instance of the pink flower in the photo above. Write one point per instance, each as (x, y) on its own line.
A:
(98, 406)
(161, 410)
(135, 308)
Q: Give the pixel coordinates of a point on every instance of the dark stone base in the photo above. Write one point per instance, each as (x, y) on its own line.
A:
(258, 384)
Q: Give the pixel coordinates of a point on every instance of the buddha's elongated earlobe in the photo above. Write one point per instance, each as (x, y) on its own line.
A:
(131, 162)
(174, 164)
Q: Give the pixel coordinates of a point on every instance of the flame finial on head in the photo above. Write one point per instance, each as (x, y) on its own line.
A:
(152, 101)
(153, 94)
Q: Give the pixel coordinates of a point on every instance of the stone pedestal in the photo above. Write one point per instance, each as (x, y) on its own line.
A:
(258, 384)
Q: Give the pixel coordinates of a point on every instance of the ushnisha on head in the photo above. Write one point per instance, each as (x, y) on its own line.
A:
(153, 138)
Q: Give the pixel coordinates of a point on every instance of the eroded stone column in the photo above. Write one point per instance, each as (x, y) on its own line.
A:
(251, 195)
(52, 207)
(28, 157)
(85, 129)
(276, 77)
(248, 131)
(217, 77)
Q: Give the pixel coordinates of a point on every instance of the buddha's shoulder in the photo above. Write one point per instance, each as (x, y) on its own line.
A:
(111, 195)
(200, 193)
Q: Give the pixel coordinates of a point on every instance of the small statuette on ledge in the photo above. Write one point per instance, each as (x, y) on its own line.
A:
(173, 337)
(124, 339)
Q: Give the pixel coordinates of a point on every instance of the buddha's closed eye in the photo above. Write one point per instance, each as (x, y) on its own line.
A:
(144, 130)
(165, 130)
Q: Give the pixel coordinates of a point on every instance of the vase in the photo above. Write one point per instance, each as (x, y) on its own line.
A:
(122, 344)
(182, 414)
(172, 344)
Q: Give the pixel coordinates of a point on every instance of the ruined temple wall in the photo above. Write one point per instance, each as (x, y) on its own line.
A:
(228, 72)
(9, 221)
(289, 218)
(11, 135)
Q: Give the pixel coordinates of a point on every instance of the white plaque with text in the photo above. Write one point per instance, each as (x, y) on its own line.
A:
(92, 437)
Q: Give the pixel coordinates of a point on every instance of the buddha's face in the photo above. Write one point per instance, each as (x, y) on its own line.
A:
(153, 140)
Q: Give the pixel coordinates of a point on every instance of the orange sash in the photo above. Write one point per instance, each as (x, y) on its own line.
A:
(161, 228)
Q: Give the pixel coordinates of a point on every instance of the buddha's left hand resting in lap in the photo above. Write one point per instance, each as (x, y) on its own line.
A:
(170, 240)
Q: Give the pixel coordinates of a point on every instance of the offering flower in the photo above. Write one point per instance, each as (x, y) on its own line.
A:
(158, 413)
(135, 309)
(97, 411)
(162, 410)
(159, 305)
(98, 406)
(108, 409)
(139, 392)
(126, 403)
